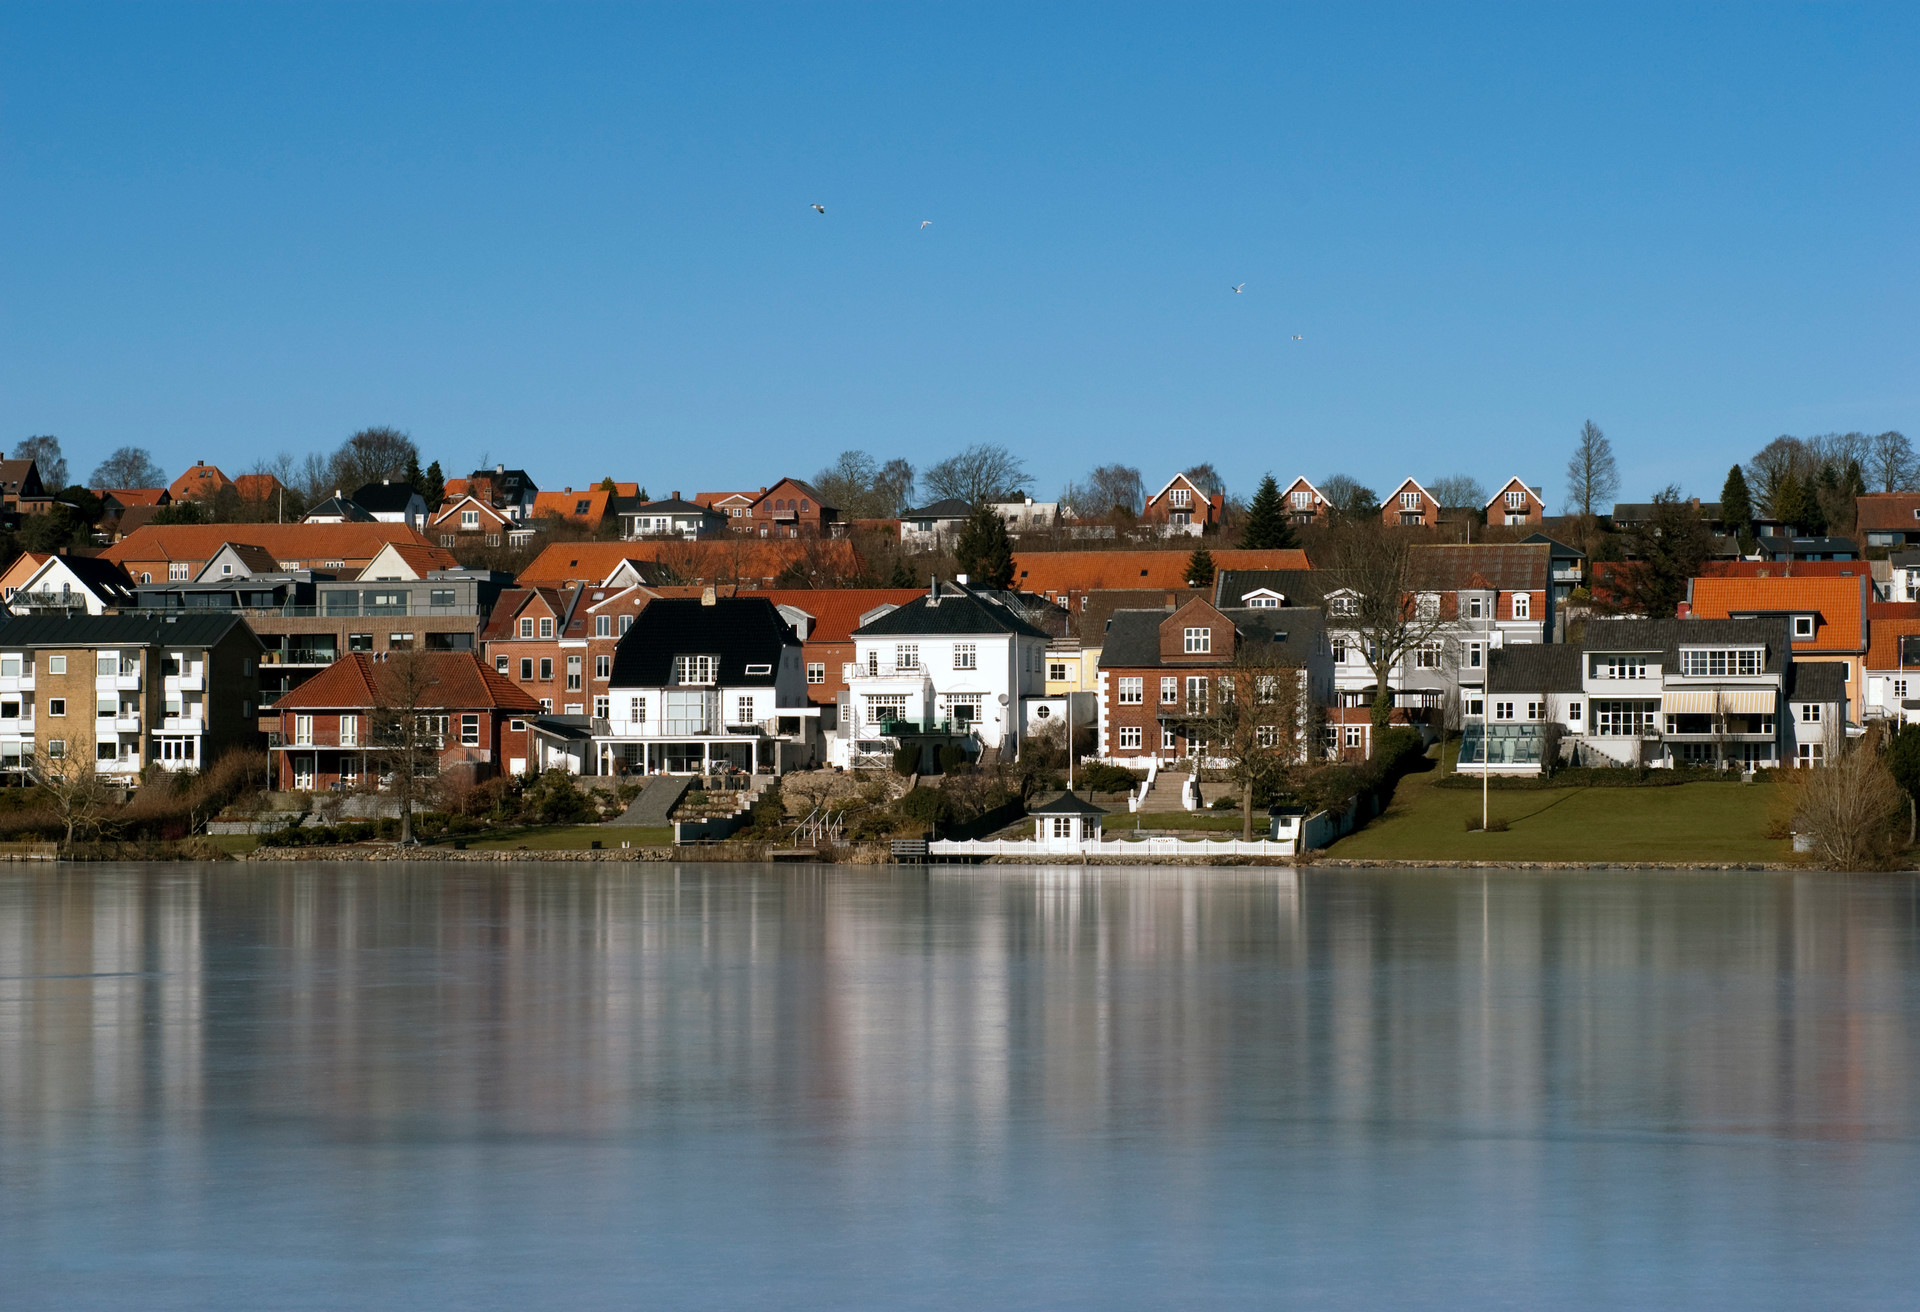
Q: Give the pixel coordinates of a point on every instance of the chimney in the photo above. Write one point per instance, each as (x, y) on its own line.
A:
(499, 469)
(961, 579)
(933, 589)
(675, 496)
(708, 597)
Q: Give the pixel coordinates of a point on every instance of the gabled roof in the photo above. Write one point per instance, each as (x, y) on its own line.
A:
(1310, 487)
(1554, 667)
(337, 508)
(715, 498)
(1178, 478)
(740, 631)
(354, 543)
(1884, 644)
(1083, 571)
(135, 496)
(1133, 636)
(187, 629)
(1525, 487)
(1402, 486)
(1561, 551)
(1301, 587)
(1666, 637)
(671, 506)
(961, 610)
(801, 485)
(750, 559)
(466, 501)
(387, 497)
(416, 557)
(22, 478)
(512, 603)
(836, 612)
(567, 503)
(104, 579)
(1888, 512)
(460, 682)
(256, 560)
(950, 508)
(1066, 804)
(1839, 606)
(1507, 566)
(1816, 681)
(256, 487)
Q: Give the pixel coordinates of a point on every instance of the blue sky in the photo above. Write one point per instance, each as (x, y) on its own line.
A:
(578, 238)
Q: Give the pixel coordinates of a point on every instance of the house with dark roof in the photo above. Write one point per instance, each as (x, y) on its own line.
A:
(957, 664)
(392, 501)
(1888, 519)
(931, 525)
(120, 692)
(510, 491)
(332, 728)
(1162, 671)
(1780, 549)
(21, 491)
(338, 509)
(706, 684)
(672, 517)
(1721, 693)
(67, 584)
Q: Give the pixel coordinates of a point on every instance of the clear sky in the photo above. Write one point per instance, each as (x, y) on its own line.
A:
(578, 239)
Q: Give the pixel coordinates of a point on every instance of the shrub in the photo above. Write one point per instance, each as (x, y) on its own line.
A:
(1854, 809)
(906, 759)
(929, 806)
(1496, 825)
(1099, 777)
(1473, 823)
(552, 799)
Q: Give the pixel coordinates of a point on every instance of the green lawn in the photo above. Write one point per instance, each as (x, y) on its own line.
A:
(1687, 822)
(570, 836)
(1223, 821)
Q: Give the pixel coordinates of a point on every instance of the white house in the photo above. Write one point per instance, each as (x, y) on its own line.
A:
(929, 526)
(953, 665)
(83, 584)
(706, 683)
(393, 503)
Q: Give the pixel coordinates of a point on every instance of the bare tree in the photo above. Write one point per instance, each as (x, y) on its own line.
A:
(74, 791)
(1853, 807)
(1205, 477)
(1890, 462)
(1459, 492)
(980, 474)
(44, 451)
(371, 455)
(1257, 720)
(130, 466)
(1381, 596)
(1108, 491)
(1350, 498)
(407, 727)
(863, 488)
(1593, 477)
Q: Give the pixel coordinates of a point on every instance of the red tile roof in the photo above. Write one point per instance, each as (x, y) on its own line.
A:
(256, 487)
(199, 483)
(136, 496)
(564, 505)
(1883, 650)
(1839, 606)
(1799, 569)
(836, 611)
(460, 682)
(311, 544)
(1888, 512)
(1051, 572)
(754, 560)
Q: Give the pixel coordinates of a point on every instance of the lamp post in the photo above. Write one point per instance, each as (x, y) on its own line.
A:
(1486, 699)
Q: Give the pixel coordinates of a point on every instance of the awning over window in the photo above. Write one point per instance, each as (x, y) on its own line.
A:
(1738, 701)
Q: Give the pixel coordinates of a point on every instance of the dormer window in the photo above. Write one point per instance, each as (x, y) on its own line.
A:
(1427, 607)
(1476, 608)
(695, 669)
(469, 519)
(1199, 642)
(1803, 626)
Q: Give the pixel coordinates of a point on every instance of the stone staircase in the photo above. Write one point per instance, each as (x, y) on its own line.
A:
(1165, 794)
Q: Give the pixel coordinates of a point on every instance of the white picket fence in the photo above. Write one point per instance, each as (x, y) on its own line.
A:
(1193, 849)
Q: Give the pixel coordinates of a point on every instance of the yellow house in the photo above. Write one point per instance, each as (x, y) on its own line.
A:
(1072, 667)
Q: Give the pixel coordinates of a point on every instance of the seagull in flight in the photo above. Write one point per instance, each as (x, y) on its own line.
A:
(1298, 338)
(1237, 290)
(926, 223)
(820, 209)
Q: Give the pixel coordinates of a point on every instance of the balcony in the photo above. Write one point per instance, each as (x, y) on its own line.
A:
(22, 724)
(116, 723)
(116, 683)
(181, 724)
(16, 682)
(193, 682)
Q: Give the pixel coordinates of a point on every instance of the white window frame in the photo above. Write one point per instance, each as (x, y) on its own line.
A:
(1130, 736)
(1199, 641)
(816, 671)
(1523, 605)
(1130, 691)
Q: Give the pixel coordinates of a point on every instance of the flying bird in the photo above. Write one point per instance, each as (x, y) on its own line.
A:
(821, 208)
(926, 223)
(1298, 338)
(1237, 290)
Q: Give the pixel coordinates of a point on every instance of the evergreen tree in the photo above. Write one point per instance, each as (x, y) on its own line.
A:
(1793, 503)
(984, 552)
(1200, 568)
(1736, 508)
(1826, 493)
(1666, 551)
(433, 486)
(411, 473)
(902, 576)
(1265, 527)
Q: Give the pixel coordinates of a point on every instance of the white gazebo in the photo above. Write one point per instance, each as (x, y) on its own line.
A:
(1066, 823)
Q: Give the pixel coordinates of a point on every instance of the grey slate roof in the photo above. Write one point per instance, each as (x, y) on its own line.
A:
(1133, 638)
(951, 508)
(192, 629)
(1535, 667)
(1817, 681)
(1909, 559)
(107, 580)
(961, 611)
(741, 631)
(1066, 804)
(1666, 636)
(388, 498)
(1301, 587)
(342, 508)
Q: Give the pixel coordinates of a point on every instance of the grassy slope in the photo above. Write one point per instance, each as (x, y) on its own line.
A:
(572, 836)
(1690, 822)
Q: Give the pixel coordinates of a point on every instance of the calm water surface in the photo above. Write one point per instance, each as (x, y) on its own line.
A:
(726, 1087)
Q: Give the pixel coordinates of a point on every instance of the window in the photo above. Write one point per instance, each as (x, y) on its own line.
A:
(1339, 651)
(1803, 626)
(1344, 606)
(518, 726)
(546, 704)
(1356, 736)
(546, 669)
(743, 709)
(440, 597)
(603, 626)
(816, 671)
(1536, 710)
(1168, 742)
(1613, 719)
(1474, 706)
(1811, 755)
(500, 664)
(470, 731)
(399, 642)
(303, 729)
(176, 572)
(1573, 712)
(581, 507)
(1180, 497)
(56, 665)
(546, 626)
(573, 674)
(695, 669)
(637, 710)
(1409, 501)
(1197, 694)
(1169, 691)
(1476, 655)
(1628, 667)
(469, 519)
(906, 656)
(1130, 735)
(1265, 735)
(1199, 641)
(56, 706)
(1131, 691)
(526, 669)
(602, 668)
(1476, 608)
(626, 622)
(1516, 500)
(1702, 663)
(106, 751)
(349, 731)
(1522, 605)
(359, 642)
(1302, 500)
(1427, 656)
(1899, 687)
(1056, 671)
(1503, 710)
(1427, 606)
(882, 707)
(526, 627)
(1810, 713)
(57, 748)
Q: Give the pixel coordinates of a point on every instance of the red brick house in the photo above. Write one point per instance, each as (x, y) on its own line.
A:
(793, 509)
(479, 719)
(1516, 503)
(1410, 505)
(1182, 507)
(1304, 503)
(536, 639)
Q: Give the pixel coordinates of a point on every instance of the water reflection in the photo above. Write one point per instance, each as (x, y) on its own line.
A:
(1019, 1086)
